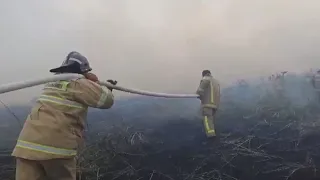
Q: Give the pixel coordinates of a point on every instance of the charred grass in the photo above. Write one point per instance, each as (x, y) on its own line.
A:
(271, 139)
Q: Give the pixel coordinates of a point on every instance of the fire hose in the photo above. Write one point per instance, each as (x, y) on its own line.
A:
(59, 77)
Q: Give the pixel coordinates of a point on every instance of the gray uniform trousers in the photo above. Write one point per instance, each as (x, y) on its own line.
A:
(208, 121)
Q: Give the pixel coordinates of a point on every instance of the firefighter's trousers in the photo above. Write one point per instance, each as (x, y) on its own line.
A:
(54, 169)
(208, 121)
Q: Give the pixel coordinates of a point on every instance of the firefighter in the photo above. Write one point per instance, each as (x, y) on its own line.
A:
(316, 84)
(53, 131)
(279, 85)
(209, 94)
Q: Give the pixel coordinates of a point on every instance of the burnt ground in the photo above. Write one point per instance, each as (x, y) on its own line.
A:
(6, 166)
(261, 142)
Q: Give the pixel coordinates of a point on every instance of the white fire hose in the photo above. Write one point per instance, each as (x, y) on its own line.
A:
(30, 83)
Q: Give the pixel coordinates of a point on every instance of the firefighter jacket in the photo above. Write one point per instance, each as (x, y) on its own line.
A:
(55, 126)
(316, 82)
(209, 92)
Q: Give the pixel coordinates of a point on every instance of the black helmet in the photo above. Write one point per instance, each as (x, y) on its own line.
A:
(206, 72)
(74, 63)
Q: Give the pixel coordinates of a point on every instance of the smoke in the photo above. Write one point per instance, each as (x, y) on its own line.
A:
(291, 90)
(159, 45)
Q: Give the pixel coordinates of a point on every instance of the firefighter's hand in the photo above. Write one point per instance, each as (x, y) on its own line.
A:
(113, 82)
(91, 77)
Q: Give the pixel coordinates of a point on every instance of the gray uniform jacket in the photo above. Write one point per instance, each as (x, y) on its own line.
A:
(209, 91)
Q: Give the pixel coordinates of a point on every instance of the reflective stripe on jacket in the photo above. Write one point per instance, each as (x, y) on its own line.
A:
(54, 128)
(209, 91)
(45, 149)
(60, 101)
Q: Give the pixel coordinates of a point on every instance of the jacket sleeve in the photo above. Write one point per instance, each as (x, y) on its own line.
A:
(92, 94)
(204, 83)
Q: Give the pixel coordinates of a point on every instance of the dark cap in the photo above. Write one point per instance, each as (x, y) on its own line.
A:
(206, 72)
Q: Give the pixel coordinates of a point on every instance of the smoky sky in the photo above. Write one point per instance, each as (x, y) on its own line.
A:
(158, 45)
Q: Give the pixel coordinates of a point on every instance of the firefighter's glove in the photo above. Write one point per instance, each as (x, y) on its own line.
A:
(113, 82)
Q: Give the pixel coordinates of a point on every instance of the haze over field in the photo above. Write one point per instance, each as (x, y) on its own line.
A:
(158, 45)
